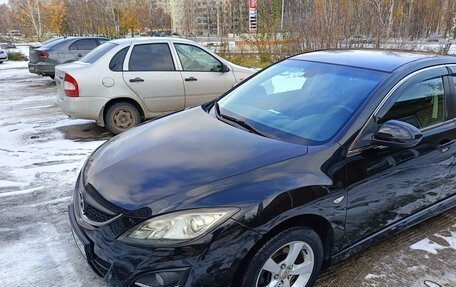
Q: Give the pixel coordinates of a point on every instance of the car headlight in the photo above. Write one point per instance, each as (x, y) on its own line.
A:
(177, 226)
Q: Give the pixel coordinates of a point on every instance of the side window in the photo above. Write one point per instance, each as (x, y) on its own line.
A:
(151, 57)
(102, 41)
(84, 44)
(196, 59)
(421, 105)
(117, 61)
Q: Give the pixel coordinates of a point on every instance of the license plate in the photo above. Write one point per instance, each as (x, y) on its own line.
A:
(32, 68)
(79, 244)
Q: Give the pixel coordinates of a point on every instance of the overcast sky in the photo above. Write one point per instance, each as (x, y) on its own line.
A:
(3, 1)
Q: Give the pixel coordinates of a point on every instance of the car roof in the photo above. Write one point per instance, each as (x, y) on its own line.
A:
(149, 39)
(380, 60)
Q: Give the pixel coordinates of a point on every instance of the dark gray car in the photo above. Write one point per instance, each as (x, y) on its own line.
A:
(43, 60)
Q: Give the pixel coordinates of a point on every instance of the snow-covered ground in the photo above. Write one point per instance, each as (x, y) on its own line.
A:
(41, 152)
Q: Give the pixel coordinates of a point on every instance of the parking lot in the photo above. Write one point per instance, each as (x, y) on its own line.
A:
(41, 152)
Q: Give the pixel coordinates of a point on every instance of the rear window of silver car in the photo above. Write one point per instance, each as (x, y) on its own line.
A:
(96, 53)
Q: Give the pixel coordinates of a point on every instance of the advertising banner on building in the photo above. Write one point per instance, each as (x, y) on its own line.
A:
(253, 16)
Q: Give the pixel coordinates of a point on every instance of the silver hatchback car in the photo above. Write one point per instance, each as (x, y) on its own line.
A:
(126, 81)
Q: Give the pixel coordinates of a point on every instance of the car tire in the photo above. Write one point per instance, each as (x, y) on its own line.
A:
(274, 262)
(121, 116)
(1, 62)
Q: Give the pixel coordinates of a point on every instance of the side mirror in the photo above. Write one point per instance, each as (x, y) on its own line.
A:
(395, 133)
(225, 68)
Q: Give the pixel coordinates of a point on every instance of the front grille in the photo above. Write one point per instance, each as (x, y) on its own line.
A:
(96, 215)
(100, 266)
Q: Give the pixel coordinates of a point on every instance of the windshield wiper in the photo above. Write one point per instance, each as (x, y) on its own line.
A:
(241, 123)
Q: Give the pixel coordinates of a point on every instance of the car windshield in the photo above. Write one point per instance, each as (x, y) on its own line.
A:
(96, 53)
(301, 101)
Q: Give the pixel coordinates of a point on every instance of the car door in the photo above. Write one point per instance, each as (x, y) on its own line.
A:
(152, 75)
(205, 77)
(81, 47)
(450, 189)
(387, 184)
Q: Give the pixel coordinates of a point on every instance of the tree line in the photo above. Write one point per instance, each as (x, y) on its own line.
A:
(111, 18)
(312, 23)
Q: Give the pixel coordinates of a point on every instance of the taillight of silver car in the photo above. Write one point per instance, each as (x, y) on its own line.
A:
(42, 54)
(70, 86)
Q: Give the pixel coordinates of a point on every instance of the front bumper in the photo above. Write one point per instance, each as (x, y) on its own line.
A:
(210, 262)
(42, 68)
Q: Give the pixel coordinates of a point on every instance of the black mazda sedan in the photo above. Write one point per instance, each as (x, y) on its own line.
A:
(305, 163)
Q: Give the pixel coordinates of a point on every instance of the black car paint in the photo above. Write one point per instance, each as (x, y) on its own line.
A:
(292, 184)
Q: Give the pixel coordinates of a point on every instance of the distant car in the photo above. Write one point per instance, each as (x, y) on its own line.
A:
(433, 38)
(190, 34)
(3, 56)
(127, 81)
(13, 33)
(159, 34)
(65, 50)
(8, 45)
(360, 39)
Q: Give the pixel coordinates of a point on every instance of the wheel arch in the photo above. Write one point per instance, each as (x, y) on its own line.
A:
(315, 222)
(102, 115)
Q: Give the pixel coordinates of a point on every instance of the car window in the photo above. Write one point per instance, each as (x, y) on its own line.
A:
(421, 105)
(117, 61)
(51, 41)
(84, 44)
(55, 44)
(300, 101)
(102, 40)
(151, 57)
(194, 58)
(96, 53)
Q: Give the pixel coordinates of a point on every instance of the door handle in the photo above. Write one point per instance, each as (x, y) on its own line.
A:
(445, 145)
(79, 55)
(137, 79)
(191, 79)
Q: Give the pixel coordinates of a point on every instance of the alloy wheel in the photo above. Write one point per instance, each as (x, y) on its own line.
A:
(289, 266)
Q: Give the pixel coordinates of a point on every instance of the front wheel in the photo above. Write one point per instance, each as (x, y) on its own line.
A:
(293, 258)
(121, 117)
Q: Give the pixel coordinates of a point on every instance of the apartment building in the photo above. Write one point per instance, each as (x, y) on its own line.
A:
(205, 17)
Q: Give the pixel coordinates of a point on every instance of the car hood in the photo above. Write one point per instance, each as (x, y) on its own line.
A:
(177, 153)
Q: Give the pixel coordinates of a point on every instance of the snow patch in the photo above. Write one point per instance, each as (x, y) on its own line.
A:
(14, 65)
(433, 247)
(373, 276)
(20, 192)
(427, 245)
(11, 184)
